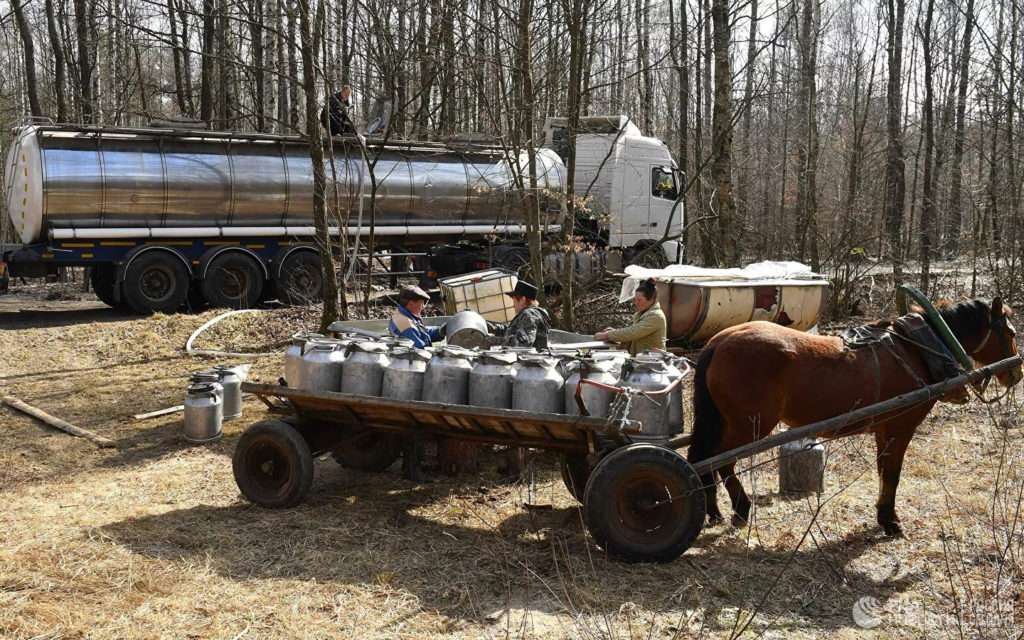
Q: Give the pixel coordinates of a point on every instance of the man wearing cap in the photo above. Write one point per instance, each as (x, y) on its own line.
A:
(406, 322)
(530, 326)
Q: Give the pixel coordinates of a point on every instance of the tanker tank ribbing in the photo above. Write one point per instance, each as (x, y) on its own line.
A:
(100, 182)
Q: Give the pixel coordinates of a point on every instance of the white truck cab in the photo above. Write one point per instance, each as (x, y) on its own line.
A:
(629, 180)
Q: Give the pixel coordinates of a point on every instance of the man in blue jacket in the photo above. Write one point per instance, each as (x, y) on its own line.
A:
(406, 322)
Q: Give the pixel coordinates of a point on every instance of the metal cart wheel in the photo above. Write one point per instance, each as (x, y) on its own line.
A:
(644, 503)
(273, 465)
(575, 473)
(372, 451)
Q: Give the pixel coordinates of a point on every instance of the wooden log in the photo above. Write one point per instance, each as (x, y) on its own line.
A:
(57, 423)
(924, 394)
(159, 412)
(802, 467)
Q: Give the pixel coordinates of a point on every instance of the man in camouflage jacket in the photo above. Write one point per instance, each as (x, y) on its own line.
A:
(530, 326)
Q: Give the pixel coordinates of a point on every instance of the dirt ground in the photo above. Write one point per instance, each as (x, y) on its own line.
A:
(153, 540)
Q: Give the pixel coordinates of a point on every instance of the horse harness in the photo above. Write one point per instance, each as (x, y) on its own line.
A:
(911, 328)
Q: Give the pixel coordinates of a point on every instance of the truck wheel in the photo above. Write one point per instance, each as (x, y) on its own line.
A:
(233, 280)
(644, 503)
(155, 281)
(102, 277)
(301, 281)
(370, 452)
(575, 473)
(272, 464)
(654, 259)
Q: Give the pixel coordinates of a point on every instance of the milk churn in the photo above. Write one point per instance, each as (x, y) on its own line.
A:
(596, 399)
(231, 378)
(675, 409)
(320, 367)
(647, 375)
(447, 377)
(490, 381)
(204, 412)
(538, 386)
(403, 377)
(293, 355)
(616, 356)
(363, 369)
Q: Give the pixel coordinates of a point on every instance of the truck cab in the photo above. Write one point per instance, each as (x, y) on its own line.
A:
(630, 182)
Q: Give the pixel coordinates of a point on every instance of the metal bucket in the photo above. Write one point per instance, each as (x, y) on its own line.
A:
(651, 411)
(490, 381)
(675, 408)
(467, 329)
(403, 377)
(363, 369)
(204, 412)
(293, 355)
(538, 386)
(447, 377)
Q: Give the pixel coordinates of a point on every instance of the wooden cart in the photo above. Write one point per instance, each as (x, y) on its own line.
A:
(642, 501)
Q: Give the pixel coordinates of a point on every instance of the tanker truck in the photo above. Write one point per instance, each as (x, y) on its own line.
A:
(163, 215)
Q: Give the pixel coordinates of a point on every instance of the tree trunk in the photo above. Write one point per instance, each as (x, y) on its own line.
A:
(895, 185)
(807, 150)
(84, 30)
(30, 57)
(928, 126)
(721, 150)
(206, 104)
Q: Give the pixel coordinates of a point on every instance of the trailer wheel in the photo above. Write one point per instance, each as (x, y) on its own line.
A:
(233, 280)
(301, 280)
(102, 278)
(575, 473)
(155, 281)
(273, 465)
(644, 503)
(369, 452)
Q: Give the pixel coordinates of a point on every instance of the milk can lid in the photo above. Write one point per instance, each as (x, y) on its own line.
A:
(410, 353)
(369, 346)
(537, 360)
(205, 376)
(302, 337)
(200, 389)
(498, 357)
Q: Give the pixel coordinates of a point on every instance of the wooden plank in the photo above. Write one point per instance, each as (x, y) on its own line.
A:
(159, 412)
(67, 427)
(918, 396)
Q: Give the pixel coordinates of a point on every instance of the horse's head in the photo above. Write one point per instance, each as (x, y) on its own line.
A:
(986, 333)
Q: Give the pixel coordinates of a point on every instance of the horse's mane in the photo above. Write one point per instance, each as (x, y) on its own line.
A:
(963, 317)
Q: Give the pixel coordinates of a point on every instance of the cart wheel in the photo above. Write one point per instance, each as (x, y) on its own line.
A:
(273, 465)
(644, 503)
(370, 452)
(575, 473)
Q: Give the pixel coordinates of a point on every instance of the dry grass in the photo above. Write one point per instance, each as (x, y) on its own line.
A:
(153, 539)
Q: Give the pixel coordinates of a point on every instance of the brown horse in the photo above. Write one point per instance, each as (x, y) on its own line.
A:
(755, 375)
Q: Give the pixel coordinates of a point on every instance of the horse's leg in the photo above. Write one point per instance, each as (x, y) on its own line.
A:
(711, 499)
(890, 449)
(740, 500)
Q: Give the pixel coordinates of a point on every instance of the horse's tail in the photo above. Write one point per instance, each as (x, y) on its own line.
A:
(707, 420)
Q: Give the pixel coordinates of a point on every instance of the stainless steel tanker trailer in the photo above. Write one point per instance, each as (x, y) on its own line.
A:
(160, 214)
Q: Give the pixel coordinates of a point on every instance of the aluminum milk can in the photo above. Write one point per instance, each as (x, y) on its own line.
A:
(538, 386)
(320, 367)
(616, 356)
(403, 377)
(447, 378)
(596, 399)
(204, 412)
(293, 355)
(651, 412)
(231, 378)
(363, 369)
(675, 409)
(490, 381)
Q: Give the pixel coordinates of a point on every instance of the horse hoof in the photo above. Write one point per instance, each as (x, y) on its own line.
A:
(892, 529)
(715, 520)
(738, 521)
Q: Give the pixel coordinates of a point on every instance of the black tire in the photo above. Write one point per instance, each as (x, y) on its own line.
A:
(301, 281)
(155, 281)
(372, 451)
(575, 473)
(273, 465)
(644, 503)
(102, 277)
(233, 280)
(655, 259)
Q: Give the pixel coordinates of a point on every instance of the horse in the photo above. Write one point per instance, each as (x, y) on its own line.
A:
(752, 376)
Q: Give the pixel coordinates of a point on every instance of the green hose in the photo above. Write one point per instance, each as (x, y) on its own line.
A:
(938, 324)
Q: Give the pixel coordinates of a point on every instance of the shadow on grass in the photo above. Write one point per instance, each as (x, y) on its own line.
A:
(469, 550)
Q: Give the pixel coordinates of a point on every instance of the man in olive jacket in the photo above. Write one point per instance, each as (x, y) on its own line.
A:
(648, 328)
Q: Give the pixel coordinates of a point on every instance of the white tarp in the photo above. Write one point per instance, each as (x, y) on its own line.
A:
(768, 270)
